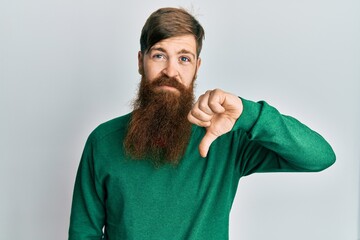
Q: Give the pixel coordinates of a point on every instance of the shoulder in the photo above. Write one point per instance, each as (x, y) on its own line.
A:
(117, 126)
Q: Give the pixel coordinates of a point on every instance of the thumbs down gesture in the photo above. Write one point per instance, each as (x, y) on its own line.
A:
(217, 111)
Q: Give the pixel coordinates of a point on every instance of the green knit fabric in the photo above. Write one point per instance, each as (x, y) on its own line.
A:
(119, 198)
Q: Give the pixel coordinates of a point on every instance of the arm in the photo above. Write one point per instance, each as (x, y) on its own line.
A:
(280, 143)
(276, 142)
(87, 212)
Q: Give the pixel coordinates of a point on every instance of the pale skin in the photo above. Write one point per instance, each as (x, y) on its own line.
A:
(176, 57)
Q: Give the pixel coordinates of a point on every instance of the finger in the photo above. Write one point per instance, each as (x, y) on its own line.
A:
(203, 103)
(197, 121)
(197, 113)
(205, 143)
(216, 99)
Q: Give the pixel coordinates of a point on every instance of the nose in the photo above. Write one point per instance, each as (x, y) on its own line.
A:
(171, 69)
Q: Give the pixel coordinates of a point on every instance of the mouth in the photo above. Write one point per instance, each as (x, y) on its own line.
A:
(166, 88)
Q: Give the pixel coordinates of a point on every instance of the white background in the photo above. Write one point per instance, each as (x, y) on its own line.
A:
(67, 66)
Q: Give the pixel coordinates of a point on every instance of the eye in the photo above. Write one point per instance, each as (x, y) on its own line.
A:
(158, 56)
(185, 59)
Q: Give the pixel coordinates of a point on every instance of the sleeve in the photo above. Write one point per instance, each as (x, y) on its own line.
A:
(279, 143)
(87, 211)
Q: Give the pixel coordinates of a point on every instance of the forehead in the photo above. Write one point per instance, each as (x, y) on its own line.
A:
(177, 44)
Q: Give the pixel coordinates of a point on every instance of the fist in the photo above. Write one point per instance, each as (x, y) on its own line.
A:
(217, 111)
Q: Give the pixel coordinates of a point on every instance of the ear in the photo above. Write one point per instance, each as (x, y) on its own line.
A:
(140, 63)
(198, 63)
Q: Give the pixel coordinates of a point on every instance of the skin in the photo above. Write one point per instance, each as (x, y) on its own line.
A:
(175, 57)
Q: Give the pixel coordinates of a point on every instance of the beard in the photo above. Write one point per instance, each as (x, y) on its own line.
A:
(159, 130)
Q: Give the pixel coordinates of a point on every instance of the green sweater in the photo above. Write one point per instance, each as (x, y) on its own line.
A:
(119, 198)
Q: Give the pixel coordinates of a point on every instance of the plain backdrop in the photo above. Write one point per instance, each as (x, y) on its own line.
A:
(67, 66)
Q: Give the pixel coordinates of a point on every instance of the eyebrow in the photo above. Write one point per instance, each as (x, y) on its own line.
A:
(182, 51)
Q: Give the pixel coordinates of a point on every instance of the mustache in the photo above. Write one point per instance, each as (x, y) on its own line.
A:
(168, 81)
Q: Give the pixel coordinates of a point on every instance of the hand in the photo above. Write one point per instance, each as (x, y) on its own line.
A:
(217, 111)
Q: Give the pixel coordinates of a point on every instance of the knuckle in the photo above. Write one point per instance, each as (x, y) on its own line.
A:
(194, 112)
(201, 98)
(213, 104)
(203, 105)
(198, 115)
(216, 91)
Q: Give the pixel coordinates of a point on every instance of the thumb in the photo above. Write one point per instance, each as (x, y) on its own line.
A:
(206, 142)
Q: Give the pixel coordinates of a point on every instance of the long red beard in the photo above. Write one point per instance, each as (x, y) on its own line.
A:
(159, 130)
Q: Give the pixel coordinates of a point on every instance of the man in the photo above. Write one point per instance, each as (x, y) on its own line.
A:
(170, 169)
